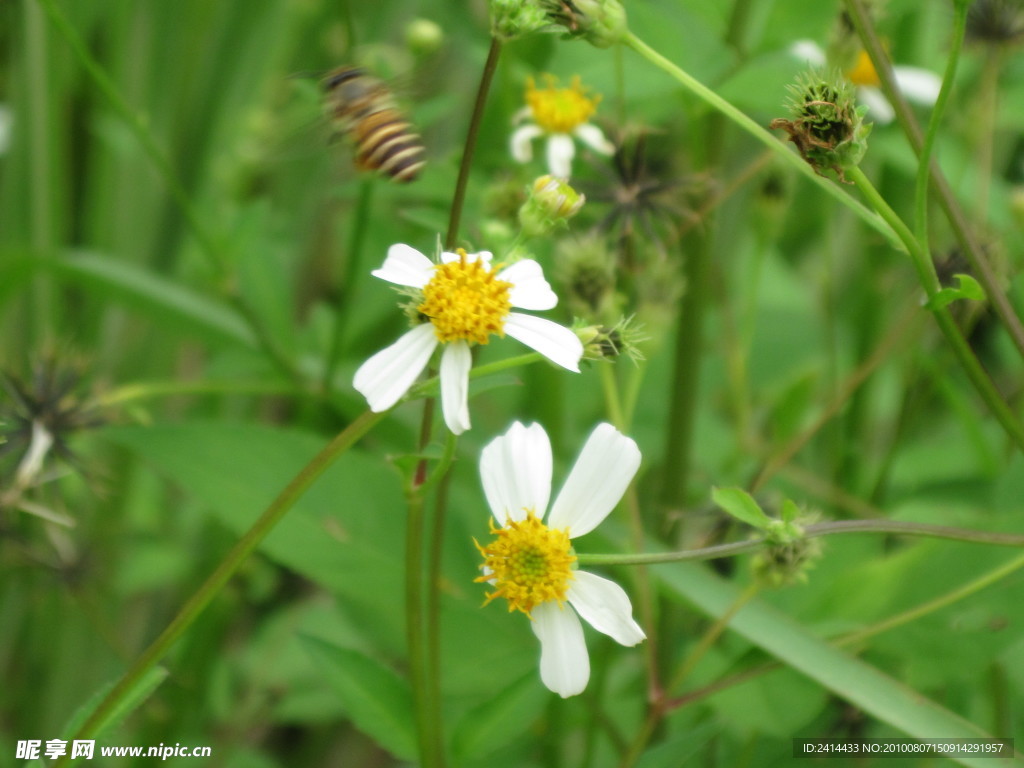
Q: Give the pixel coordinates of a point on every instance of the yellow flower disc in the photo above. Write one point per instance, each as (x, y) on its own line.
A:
(863, 71)
(465, 300)
(528, 563)
(560, 110)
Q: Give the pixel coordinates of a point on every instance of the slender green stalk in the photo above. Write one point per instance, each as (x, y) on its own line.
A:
(612, 400)
(441, 478)
(490, 66)
(930, 282)
(353, 261)
(214, 249)
(237, 555)
(145, 390)
(924, 158)
(414, 628)
(41, 198)
(888, 527)
(947, 200)
(760, 133)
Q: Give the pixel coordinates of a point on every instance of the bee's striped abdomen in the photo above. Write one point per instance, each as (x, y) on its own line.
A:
(384, 142)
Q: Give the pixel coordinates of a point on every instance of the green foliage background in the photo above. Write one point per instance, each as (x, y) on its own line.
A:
(301, 659)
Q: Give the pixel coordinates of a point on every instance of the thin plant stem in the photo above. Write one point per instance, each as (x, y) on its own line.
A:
(490, 66)
(760, 133)
(353, 262)
(924, 158)
(237, 555)
(40, 157)
(887, 527)
(930, 282)
(214, 249)
(441, 478)
(947, 200)
(988, 101)
(612, 400)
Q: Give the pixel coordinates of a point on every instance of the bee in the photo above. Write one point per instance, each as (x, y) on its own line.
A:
(361, 106)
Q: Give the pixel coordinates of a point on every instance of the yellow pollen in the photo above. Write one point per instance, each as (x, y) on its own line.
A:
(560, 110)
(465, 300)
(528, 563)
(863, 71)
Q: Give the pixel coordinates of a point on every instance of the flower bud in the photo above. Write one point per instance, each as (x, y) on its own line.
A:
(551, 202)
(513, 18)
(423, 36)
(787, 555)
(600, 22)
(828, 128)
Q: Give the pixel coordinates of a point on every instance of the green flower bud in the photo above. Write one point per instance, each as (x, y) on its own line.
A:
(600, 22)
(602, 342)
(551, 202)
(423, 36)
(513, 18)
(828, 128)
(787, 555)
(585, 268)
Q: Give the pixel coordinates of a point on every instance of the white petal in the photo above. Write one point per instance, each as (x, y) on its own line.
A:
(879, 108)
(564, 664)
(554, 341)
(592, 136)
(560, 153)
(484, 256)
(405, 265)
(529, 288)
(455, 363)
(920, 86)
(522, 150)
(516, 472)
(809, 52)
(386, 376)
(598, 479)
(605, 606)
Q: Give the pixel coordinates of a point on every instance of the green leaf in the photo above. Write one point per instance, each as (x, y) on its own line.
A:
(968, 288)
(139, 692)
(741, 505)
(486, 729)
(790, 511)
(155, 295)
(850, 678)
(378, 700)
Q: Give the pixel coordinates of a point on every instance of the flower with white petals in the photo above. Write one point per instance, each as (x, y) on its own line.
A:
(560, 114)
(531, 563)
(920, 86)
(462, 301)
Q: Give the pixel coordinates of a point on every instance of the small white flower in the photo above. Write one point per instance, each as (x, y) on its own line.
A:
(466, 301)
(531, 564)
(920, 86)
(560, 114)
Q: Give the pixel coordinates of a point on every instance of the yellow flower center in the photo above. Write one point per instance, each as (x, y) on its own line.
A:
(863, 71)
(528, 563)
(465, 300)
(560, 110)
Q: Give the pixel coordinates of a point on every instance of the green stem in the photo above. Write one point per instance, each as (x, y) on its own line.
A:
(930, 282)
(213, 249)
(612, 400)
(924, 158)
(343, 299)
(490, 66)
(145, 390)
(40, 198)
(760, 133)
(947, 200)
(888, 527)
(228, 566)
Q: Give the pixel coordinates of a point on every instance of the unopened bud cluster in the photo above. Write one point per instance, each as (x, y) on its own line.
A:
(602, 23)
(828, 127)
(551, 202)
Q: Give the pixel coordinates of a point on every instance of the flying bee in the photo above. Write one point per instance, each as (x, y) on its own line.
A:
(361, 106)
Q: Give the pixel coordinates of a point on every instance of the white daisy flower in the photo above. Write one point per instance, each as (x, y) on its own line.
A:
(560, 114)
(531, 563)
(920, 86)
(465, 301)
